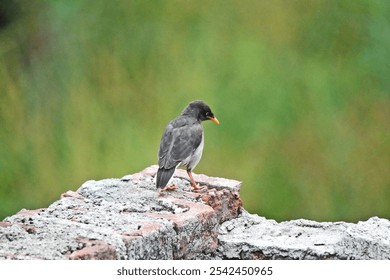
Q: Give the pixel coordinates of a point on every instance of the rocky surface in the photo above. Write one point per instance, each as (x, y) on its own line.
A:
(253, 237)
(128, 219)
(125, 219)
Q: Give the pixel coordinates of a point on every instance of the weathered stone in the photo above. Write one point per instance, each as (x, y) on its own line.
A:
(254, 237)
(124, 219)
(128, 218)
(94, 250)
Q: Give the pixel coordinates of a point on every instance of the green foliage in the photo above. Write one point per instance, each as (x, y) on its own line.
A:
(301, 89)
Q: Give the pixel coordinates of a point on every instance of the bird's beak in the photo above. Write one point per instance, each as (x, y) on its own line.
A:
(214, 120)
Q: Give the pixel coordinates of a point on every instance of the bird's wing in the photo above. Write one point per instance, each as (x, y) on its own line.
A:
(179, 141)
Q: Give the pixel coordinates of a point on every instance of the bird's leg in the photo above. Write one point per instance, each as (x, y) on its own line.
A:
(194, 186)
(169, 188)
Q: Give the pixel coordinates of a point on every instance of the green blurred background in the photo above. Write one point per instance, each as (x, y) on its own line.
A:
(301, 89)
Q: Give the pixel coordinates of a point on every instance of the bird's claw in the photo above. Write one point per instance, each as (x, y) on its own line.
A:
(197, 187)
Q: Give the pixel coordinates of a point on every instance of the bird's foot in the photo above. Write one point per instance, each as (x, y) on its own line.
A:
(197, 188)
(169, 188)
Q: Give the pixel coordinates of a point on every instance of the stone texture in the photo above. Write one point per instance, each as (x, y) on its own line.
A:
(94, 250)
(128, 218)
(254, 237)
(125, 219)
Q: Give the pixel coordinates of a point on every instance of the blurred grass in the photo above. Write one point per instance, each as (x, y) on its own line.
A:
(301, 89)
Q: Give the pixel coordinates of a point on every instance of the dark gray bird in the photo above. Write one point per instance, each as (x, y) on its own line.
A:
(182, 143)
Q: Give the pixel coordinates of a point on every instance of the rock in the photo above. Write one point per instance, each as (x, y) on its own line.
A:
(125, 219)
(94, 250)
(128, 218)
(254, 237)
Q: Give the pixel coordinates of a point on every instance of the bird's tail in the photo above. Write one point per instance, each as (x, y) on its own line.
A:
(163, 176)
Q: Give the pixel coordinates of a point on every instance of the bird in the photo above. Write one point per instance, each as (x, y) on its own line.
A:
(182, 143)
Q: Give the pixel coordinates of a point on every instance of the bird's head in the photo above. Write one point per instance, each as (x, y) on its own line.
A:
(200, 111)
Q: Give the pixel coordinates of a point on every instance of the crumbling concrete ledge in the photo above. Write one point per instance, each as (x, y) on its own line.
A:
(128, 219)
(253, 237)
(125, 219)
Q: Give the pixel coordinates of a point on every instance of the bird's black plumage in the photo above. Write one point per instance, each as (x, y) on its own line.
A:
(182, 142)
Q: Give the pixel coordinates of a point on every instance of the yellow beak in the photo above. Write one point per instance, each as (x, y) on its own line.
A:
(214, 120)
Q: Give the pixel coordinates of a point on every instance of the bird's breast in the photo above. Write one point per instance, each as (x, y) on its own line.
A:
(195, 156)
